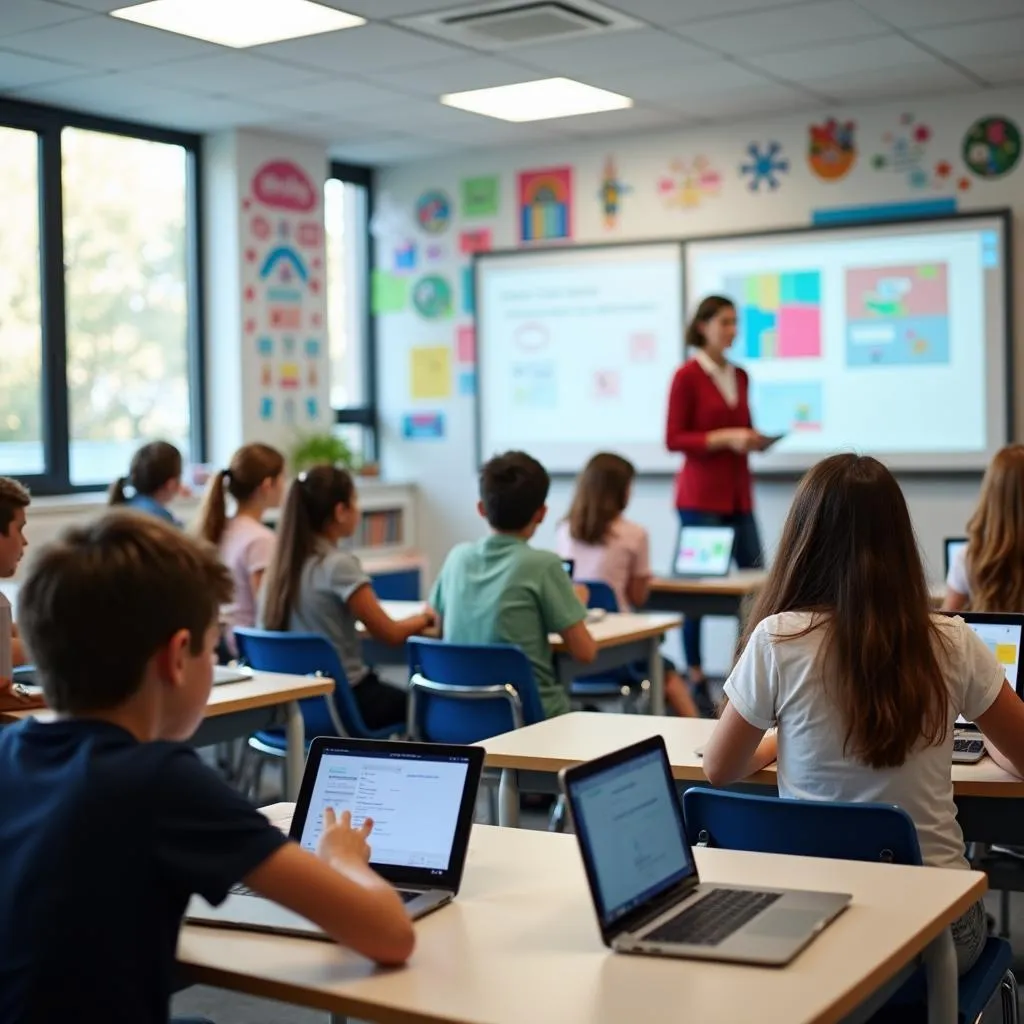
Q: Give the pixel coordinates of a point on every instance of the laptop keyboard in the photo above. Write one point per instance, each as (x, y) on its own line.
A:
(244, 890)
(961, 746)
(714, 918)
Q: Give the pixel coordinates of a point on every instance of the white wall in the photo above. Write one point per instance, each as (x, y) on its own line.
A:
(445, 469)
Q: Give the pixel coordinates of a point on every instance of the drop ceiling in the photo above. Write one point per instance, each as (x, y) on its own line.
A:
(370, 94)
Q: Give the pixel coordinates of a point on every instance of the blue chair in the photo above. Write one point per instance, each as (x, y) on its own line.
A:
(844, 831)
(400, 585)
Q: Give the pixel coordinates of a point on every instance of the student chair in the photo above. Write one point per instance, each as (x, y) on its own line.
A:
(400, 585)
(846, 831)
(305, 654)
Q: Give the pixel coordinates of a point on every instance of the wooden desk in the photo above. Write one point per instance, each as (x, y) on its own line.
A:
(717, 595)
(237, 710)
(520, 944)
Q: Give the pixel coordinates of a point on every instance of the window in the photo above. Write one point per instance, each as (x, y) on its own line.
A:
(98, 304)
(348, 196)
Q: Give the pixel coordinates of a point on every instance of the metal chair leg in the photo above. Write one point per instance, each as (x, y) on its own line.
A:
(1009, 1000)
(556, 823)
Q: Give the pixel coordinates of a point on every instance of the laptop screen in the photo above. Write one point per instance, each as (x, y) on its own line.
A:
(954, 545)
(631, 831)
(1003, 639)
(414, 802)
(704, 551)
(569, 565)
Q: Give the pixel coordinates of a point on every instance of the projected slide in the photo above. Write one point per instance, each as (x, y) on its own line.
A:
(780, 314)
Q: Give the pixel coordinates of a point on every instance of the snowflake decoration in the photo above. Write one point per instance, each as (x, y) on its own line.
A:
(765, 164)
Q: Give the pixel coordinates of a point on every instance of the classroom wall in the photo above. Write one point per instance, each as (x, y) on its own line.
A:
(678, 184)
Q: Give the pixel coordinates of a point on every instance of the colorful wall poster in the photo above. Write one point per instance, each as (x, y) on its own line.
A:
(430, 372)
(689, 182)
(467, 383)
(423, 426)
(780, 314)
(405, 256)
(432, 297)
(904, 151)
(434, 211)
(480, 196)
(832, 148)
(764, 164)
(544, 201)
(613, 188)
(475, 240)
(389, 293)
(465, 343)
(991, 146)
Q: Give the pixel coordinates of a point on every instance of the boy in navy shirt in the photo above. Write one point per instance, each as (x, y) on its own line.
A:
(109, 822)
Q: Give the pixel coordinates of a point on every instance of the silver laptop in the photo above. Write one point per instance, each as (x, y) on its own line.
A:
(421, 798)
(1002, 633)
(703, 551)
(643, 879)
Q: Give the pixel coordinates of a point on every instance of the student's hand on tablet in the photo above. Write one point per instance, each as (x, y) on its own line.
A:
(339, 841)
(739, 439)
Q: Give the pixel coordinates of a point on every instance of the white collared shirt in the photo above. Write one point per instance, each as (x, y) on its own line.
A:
(723, 377)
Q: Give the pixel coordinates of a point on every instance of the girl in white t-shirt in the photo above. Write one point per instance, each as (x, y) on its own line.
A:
(988, 574)
(862, 682)
(608, 547)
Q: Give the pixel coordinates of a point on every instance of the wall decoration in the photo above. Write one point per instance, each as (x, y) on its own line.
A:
(883, 211)
(943, 179)
(423, 426)
(434, 211)
(991, 147)
(766, 163)
(832, 148)
(480, 196)
(465, 344)
(467, 383)
(430, 372)
(432, 297)
(468, 291)
(266, 408)
(476, 240)
(435, 252)
(689, 182)
(904, 150)
(391, 221)
(390, 294)
(544, 200)
(613, 188)
(405, 256)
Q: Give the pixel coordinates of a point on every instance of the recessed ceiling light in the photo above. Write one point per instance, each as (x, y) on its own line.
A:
(240, 23)
(537, 101)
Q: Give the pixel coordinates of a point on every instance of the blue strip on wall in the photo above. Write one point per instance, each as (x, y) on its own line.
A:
(884, 211)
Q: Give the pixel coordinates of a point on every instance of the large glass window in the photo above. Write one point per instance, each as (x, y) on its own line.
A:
(21, 344)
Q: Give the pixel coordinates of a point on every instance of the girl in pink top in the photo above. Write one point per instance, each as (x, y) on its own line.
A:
(255, 479)
(608, 547)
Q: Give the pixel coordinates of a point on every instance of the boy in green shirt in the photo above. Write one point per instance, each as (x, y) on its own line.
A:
(501, 590)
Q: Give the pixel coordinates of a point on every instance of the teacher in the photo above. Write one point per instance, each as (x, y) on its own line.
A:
(709, 422)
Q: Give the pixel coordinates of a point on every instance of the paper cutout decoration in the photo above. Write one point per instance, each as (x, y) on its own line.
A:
(465, 344)
(432, 297)
(391, 221)
(435, 252)
(423, 426)
(390, 294)
(405, 256)
(832, 148)
(430, 372)
(266, 408)
(476, 240)
(766, 163)
(434, 211)
(467, 383)
(613, 188)
(943, 178)
(480, 196)
(904, 151)
(545, 204)
(991, 147)
(689, 182)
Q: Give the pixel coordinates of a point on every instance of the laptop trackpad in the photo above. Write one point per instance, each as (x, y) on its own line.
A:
(784, 924)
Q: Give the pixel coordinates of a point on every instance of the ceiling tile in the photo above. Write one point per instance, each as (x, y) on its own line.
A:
(995, 70)
(837, 58)
(676, 12)
(337, 97)
(231, 73)
(883, 84)
(107, 44)
(102, 6)
(356, 50)
(755, 101)
(19, 70)
(32, 14)
(677, 87)
(787, 28)
(380, 9)
(454, 76)
(102, 94)
(389, 151)
(911, 14)
(622, 122)
(208, 115)
(1003, 36)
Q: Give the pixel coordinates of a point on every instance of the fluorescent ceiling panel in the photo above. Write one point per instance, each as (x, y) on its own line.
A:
(537, 101)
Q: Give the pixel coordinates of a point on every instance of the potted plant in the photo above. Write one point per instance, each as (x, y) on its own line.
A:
(317, 449)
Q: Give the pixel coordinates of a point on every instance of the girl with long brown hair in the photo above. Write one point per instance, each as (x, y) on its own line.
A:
(862, 681)
(152, 483)
(314, 586)
(988, 575)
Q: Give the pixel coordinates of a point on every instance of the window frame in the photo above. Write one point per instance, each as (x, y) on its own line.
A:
(365, 415)
(48, 123)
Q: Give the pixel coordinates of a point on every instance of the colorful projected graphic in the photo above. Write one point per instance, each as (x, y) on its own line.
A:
(545, 204)
(534, 385)
(780, 314)
(787, 407)
(897, 316)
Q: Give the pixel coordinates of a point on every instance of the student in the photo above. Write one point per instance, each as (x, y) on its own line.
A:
(155, 479)
(501, 590)
(14, 499)
(989, 574)
(863, 683)
(608, 547)
(109, 821)
(255, 479)
(313, 586)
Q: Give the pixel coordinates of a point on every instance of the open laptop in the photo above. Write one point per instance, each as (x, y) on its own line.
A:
(1002, 633)
(951, 547)
(421, 798)
(703, 551)
(569, 565)
(643, 879)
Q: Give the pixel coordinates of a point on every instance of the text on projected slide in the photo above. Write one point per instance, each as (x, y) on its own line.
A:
(414, 805)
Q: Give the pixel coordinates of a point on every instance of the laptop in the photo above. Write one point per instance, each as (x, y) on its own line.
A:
(569, 565)
(1002, 633)
(703, 551)
(27, 679)
(951, 547)
(644, 882)
(421, 797)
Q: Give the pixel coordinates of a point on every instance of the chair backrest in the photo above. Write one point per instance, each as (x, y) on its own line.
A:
(803, 828)
(438, 717)
(306, 654)
(601, 595)
(400, 585)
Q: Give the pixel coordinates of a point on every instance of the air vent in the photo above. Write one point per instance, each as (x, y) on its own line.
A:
(505, 24)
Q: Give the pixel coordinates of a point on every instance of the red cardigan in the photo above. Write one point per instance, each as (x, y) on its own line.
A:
(710, 481)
